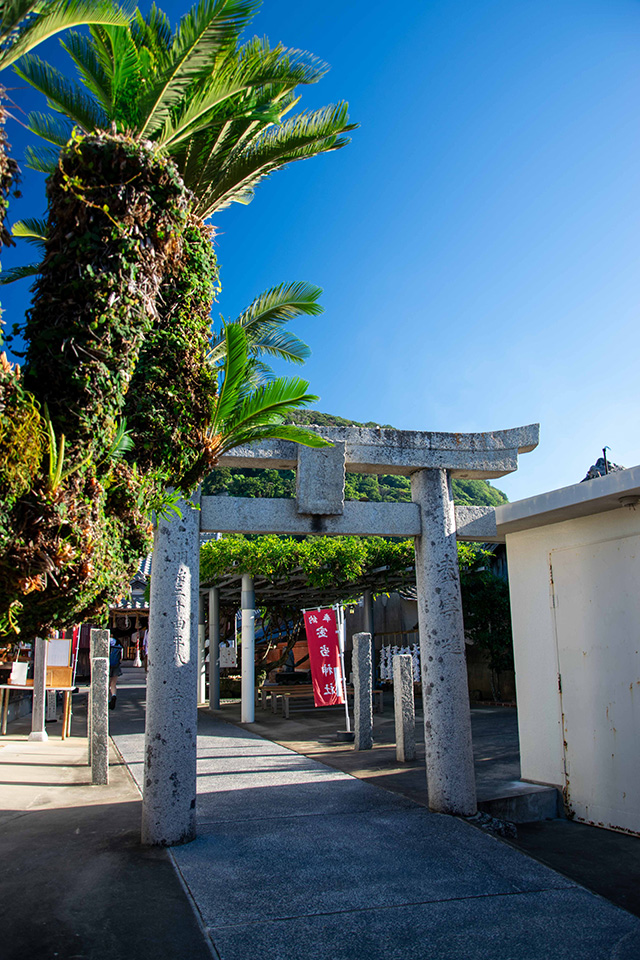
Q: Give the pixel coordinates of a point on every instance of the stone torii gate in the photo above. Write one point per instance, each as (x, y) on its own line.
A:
(431, 460)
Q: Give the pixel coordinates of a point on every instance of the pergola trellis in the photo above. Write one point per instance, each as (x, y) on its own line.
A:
(431, 460)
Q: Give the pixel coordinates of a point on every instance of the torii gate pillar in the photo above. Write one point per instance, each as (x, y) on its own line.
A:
(445, 696)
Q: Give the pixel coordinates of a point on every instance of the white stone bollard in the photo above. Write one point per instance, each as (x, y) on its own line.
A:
(214, 648)
(169, 787)
(38, 731)
(362, 692)
(445, 695)
(248, 693)
(404, 707)
(202, 670)
(100, 720)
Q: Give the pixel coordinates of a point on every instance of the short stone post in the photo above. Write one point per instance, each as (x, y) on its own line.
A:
(100, 720)
(202, 674)
(445, 694)
(362, 692)
(98, 647)
(214, 648)
(248, 708)
(404, 707)
(169, 793)
(38, 730)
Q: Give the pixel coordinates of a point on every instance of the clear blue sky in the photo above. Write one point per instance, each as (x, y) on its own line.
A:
(478, 242)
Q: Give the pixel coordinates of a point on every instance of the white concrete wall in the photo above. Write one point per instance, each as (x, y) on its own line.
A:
(607, 628)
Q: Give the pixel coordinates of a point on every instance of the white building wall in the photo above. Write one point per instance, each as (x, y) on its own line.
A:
(607, 628)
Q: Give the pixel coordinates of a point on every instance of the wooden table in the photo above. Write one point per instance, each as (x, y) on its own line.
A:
(5, 688)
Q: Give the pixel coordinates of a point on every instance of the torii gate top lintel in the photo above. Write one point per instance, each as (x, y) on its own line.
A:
(402, 452)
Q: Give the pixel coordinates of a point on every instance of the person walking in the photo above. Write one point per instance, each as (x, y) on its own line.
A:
(115, 670)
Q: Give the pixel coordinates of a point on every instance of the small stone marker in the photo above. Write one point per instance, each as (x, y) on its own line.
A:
(404, 707)
(99, 720)
(98, 647)
(38, 731)
(362, 692)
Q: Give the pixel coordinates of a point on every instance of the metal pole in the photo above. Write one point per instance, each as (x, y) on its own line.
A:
(341, 644)
(202, 676)
(248, 649)
(214, 648)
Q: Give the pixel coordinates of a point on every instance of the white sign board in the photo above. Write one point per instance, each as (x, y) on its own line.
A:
(228, 655)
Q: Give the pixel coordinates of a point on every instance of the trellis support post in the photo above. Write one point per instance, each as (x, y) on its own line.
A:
(248, 650)
(201, 653)
(214, 648)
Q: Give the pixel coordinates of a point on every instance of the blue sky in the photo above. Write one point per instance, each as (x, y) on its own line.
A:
(478, 242)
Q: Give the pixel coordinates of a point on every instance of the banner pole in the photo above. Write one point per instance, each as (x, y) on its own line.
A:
(341, 643)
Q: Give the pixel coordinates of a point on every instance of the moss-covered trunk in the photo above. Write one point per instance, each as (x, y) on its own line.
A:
(169, 403)
(117, 214)
(116, 217)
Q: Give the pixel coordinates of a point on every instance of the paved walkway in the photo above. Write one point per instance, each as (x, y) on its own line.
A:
(295, 860)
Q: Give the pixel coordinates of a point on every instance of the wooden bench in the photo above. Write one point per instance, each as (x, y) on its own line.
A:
(302, 691)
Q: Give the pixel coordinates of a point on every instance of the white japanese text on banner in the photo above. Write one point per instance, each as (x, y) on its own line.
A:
(324, 656)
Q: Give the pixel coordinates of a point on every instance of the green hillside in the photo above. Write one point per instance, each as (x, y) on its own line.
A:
(359, 486)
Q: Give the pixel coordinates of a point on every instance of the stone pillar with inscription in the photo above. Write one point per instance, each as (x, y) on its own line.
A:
(169, 786)
(445, 696)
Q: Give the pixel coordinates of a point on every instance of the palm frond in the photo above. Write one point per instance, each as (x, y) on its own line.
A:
(36, 22)
(19, 273)
(83, 52)
(234, 369)
(207, 28)
(231, 439)
(299, 138)
(281, 304)
(42, 159)
(269, 403)
(153, 32)
(281, 345)
(35, 232)
(52, 128)
(31, 228)
(265, 76)
(126, 76)
(64, 95)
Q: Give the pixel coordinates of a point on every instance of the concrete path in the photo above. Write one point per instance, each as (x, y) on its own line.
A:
(75, 883)
(295, 860)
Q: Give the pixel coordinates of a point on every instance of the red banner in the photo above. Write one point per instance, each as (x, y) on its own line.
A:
(324, 656)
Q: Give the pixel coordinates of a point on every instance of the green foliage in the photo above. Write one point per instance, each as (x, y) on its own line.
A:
(22, 441)
(26, 23)
(486, 608)
(172, 393)
(325, 561)
(116, 215)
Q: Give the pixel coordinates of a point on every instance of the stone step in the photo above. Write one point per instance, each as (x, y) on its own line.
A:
(521, 802)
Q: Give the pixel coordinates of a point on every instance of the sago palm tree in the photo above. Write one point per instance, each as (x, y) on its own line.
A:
(216, 106)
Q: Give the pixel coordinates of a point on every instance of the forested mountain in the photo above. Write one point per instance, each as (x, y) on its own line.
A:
(359, 486)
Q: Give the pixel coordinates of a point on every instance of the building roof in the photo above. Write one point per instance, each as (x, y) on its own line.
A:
(611, 492)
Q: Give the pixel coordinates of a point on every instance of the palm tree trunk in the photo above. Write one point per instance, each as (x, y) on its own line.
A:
(116, 216)
(169, 402)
